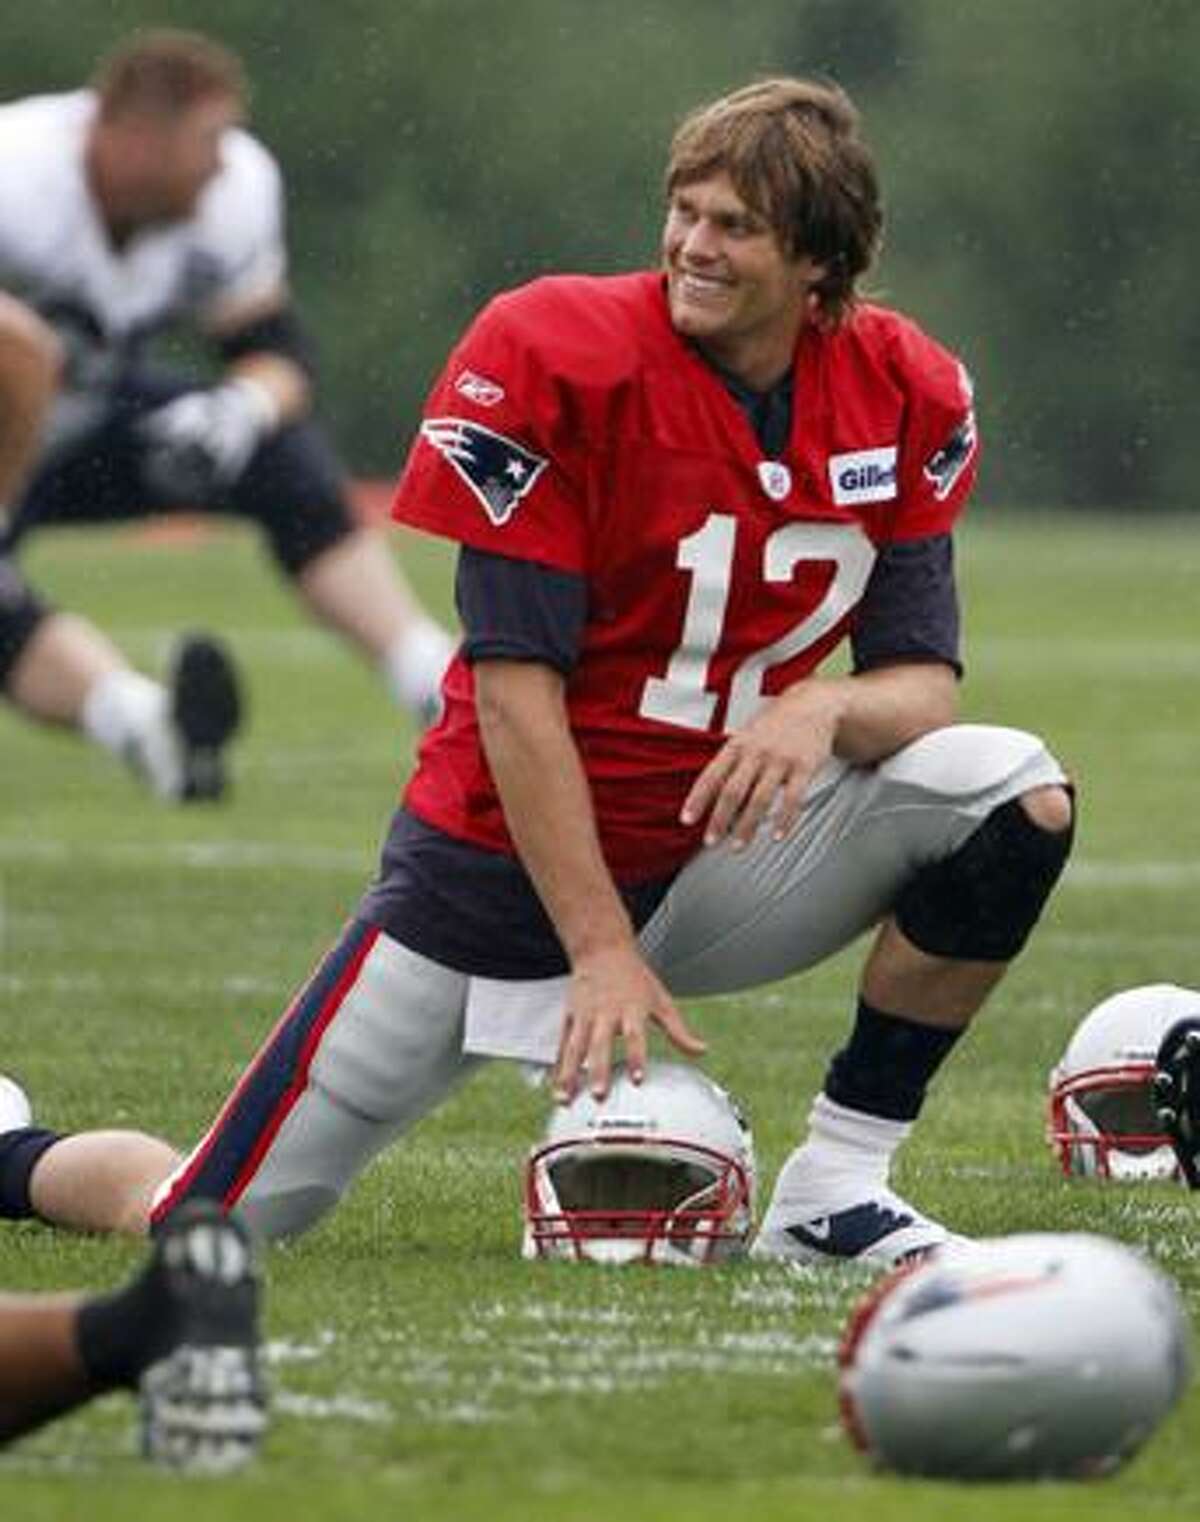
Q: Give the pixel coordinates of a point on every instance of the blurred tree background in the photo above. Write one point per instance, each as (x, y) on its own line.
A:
(1041, 163)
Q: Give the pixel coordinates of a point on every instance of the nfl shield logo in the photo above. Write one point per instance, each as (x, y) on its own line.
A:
(776, 479)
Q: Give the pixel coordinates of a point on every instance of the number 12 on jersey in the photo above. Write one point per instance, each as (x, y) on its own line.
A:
(682, 695)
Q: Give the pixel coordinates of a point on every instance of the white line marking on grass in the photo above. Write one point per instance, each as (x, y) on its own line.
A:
(203, 856)
(1133, 874)
(301, 647)
(1159, 657)
(347, 1408)
(1163, 1229)
(462, 1413)
(547, 1349)
(256, 855)
(804, 1286)
(1167, 946)
(57, 982)
(282, 1351)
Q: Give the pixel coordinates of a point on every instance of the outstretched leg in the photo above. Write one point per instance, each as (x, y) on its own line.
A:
(370, 1044)
(59, 669)
(357, 589)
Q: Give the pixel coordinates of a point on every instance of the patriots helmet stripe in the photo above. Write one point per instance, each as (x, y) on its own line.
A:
(496, 468)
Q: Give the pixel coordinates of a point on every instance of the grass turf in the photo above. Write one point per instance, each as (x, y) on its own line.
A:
(419, 1368)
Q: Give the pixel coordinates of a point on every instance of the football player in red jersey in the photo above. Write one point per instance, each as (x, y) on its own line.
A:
(674, 492)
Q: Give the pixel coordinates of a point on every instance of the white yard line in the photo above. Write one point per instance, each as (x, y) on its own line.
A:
(260, 855)
(543, 1347)
(346, 1408)
(198, 856)
(1132, 874)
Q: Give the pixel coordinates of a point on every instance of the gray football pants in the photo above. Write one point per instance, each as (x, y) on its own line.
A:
(376, 1040)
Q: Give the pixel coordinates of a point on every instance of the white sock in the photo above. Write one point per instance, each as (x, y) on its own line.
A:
(847, 1155)
(130, 715)
(414, 664)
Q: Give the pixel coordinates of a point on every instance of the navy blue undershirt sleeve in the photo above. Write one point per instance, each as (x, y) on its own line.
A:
(910, 608)
(519, 610)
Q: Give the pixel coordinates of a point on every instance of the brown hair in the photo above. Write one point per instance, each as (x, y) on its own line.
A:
(793, 151)
(164, 72)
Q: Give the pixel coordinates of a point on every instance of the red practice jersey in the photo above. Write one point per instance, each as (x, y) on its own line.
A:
(574, 428)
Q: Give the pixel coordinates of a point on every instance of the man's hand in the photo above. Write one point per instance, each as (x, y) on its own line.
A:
(767, 765)
(614, 995)
(199, 444)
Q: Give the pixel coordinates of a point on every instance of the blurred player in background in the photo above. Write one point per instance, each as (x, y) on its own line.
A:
(140, 204)
(56, 667)
(675, 492)
(183, 1333)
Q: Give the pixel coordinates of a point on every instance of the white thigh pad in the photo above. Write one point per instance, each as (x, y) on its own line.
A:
(965, 759)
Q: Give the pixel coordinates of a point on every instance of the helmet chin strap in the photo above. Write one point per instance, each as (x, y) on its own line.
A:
(1142, 1166)
(620, 1250)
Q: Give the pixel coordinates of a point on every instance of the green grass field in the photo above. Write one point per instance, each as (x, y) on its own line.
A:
(420, 1369)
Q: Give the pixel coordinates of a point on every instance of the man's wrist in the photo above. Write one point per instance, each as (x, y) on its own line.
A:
(259, 401)
(612, 937)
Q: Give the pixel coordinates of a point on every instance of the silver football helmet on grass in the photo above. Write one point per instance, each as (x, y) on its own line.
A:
(1103, 1120)
(659, 1172)
(1023, 1357)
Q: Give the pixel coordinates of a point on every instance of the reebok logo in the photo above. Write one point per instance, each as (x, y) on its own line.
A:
(478, 389)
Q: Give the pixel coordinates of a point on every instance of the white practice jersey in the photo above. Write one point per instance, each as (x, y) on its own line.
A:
(55, 254)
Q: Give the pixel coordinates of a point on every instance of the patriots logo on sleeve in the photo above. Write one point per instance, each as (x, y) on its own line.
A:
(945, 465)
(496, 468)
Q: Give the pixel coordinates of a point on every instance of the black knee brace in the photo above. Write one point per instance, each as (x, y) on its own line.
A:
(980, 902)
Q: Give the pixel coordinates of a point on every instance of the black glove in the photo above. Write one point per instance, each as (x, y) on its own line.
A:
(199, 444)
(1176, 1090)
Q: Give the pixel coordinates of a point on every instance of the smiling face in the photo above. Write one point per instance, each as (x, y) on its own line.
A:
(731, 288)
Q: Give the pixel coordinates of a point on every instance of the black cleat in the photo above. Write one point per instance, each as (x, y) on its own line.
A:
(206, 709)
(1176, 1094)
(203, 1400)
